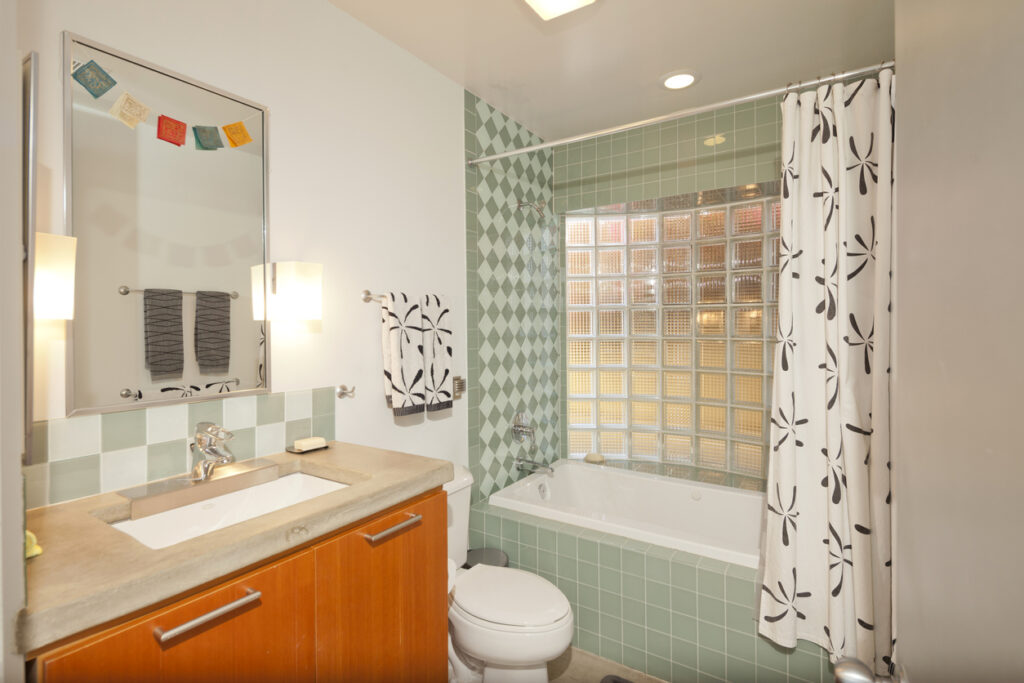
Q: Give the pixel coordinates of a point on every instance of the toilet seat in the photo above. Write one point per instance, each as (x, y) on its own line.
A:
(508, 599)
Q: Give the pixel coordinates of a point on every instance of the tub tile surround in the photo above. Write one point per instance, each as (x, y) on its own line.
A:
(670, 614)
(89, 454)
(513, 263)
(666, 159)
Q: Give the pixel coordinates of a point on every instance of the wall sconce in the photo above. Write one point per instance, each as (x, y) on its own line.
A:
(295, 291)
(53, 288)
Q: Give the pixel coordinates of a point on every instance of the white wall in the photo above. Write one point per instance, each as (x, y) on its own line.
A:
(12, 517)
(366, 171)
(957, 454)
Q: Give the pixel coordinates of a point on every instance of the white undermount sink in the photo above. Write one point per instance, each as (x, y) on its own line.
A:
(189, 521)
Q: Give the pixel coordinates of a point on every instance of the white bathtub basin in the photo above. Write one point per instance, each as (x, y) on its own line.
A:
(189, 521)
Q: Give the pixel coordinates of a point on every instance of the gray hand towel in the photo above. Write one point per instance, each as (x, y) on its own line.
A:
(165, 348)
(213, 332)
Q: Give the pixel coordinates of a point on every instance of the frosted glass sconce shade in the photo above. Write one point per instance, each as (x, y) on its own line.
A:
(295, 292)
(549, 9)
(54, 283)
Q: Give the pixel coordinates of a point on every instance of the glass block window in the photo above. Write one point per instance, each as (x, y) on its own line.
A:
(670, 323)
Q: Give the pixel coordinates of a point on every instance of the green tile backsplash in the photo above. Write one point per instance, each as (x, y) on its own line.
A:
(513, 263)
(85, 455)
(670, 614)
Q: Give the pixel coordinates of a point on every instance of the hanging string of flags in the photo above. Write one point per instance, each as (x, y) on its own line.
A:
(131, 112)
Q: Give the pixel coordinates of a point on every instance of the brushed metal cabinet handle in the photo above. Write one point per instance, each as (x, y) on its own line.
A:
(250, 596)
(375, 538)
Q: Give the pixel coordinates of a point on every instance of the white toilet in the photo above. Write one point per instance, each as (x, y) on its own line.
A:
(504, 625)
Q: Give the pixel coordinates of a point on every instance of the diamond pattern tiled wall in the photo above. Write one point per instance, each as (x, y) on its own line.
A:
(672, 158)
(513, 264)
(88, 454)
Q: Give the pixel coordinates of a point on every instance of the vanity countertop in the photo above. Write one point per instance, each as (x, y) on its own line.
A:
(91, 573)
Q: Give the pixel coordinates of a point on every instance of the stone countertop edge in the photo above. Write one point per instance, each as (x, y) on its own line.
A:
(90, 573)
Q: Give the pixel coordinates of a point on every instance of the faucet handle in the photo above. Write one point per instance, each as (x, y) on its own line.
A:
(214, 431)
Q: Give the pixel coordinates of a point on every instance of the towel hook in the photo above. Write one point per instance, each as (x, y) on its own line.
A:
(344, 392)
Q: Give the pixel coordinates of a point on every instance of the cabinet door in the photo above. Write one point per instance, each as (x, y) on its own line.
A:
(269, 638)
(381, 612)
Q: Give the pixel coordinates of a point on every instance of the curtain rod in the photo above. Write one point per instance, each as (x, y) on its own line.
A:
(683, 113)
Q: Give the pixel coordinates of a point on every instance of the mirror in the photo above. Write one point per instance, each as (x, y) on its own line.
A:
(165, 193)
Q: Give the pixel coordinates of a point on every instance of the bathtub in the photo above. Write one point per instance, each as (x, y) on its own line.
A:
(713, 521)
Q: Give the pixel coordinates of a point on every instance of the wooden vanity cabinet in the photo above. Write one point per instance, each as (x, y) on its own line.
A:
(349, 608)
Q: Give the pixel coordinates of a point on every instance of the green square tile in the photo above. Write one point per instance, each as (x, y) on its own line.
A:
(567, 567)
(611, 649)
(611, 580)
(589, 596)
(710, 610)
(569, 588)
(509, 530)
(745, 573)
(740, 618)
(633, 587)
(634, 611)
(684, 601)
(74, 478)
(684, 576)
(611, 556)
(634, 658)
(659, 667)
(659, 644)
(685, 626)
(805, 666)
(207, 411)
(589, 574)
(611, 604)
(323, 401)
(269, 408)
(567, 544)
(657, 568)
(659, 619)
(243, 445)
(771, 655)
(589, 642)
(683, 557)
(528, 557)
(711, 663)
(588, 549)
(323, 426)
(527, 534)
(589, 619)
(684, 674)
(492, 523)
(712, 637)
(711, 583)
(740, 591)
(632, 562)
(166, 459)
(658, 594)
(547, 540)
(766, 675)
(740, 670)
(739, 645)
(297, 429)
(611, 627)
(477, 539)
(547, 562)
(123, 430)
(684, 652)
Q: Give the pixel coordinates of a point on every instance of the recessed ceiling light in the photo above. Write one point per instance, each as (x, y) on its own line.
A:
(714, 140)
(678, 81)
(549, 9)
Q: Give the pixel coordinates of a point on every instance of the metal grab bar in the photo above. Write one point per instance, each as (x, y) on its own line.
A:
(375, 538)
(164, 636)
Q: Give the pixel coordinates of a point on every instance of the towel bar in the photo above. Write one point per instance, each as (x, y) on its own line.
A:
(125, 290)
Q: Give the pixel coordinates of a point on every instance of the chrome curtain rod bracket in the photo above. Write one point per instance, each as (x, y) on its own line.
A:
(692, 111)
(124, 290)
(369, 297)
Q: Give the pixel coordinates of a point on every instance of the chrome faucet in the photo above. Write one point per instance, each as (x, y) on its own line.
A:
(209, 449)
(524, 465)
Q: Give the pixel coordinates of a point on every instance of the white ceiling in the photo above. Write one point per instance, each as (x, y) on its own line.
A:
(600, 66)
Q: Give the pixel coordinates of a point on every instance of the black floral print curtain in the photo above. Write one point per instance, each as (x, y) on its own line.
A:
(827, 551)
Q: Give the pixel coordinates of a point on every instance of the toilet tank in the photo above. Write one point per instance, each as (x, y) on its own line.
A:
(458, 490)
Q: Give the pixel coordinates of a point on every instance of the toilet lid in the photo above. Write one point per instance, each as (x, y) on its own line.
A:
(512, 597)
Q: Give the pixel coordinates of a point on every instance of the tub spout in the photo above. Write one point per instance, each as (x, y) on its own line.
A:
(524, 465)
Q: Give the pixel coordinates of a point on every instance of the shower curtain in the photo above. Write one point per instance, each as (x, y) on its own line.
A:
(827, 550)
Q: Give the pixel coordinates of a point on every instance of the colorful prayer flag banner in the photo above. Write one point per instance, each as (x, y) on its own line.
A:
(93, 78)
(171, 130)
(207, 137)
(237, 134)
(129, 110)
